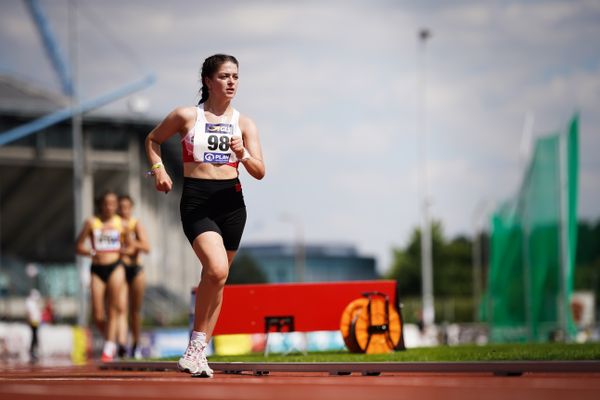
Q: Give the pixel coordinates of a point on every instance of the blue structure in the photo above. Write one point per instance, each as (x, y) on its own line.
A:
(322, 263)
(59, 62)
(61, 67)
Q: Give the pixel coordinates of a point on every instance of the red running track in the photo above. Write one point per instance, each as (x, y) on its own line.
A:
(89, 382)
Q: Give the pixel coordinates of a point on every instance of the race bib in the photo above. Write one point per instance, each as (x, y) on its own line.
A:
(107, 240)
(212, 146)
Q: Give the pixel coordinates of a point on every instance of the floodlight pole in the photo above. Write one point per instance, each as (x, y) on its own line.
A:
(299, 247)
(82, 186)
(565, 250)
(481, 211)
(426, 250)
(300, 253)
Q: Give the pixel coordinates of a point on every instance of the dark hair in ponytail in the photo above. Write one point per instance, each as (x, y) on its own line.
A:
(209, 68)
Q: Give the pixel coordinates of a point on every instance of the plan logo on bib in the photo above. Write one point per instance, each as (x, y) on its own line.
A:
(216, 158)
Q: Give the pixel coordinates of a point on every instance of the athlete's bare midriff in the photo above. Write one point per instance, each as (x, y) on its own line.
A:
(209, 171)
(106, 258)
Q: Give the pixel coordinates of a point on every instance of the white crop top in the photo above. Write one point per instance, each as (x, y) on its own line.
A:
(209, 142)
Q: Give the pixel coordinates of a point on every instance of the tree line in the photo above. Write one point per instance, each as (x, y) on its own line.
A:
(453, 270)
(453, 282)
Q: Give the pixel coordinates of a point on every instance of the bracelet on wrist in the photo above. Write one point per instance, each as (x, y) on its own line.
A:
(154, 167)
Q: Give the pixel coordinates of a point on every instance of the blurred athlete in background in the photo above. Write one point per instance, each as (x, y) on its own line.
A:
(107, 236)
(135, 278)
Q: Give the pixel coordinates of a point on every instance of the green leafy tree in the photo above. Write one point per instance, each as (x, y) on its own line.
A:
(587, 259)
(452, 275)
(244, 269)
(453, 270)
(406, 264)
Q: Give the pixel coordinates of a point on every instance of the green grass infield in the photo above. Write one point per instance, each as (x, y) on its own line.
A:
(463, 353)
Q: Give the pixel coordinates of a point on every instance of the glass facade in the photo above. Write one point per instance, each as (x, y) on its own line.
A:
(317, 263)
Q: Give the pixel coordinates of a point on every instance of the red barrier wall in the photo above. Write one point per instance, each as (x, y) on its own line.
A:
(314, 306)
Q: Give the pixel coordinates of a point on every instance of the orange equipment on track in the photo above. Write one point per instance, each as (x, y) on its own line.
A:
(372, 325)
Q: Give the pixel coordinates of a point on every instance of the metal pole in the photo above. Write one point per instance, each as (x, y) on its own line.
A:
(563, 306)
(78, 162)
(479, 211)
(476, 273)
(299, 246)
(300, 252)
(426, 250)
(527, 147)
(66, 113)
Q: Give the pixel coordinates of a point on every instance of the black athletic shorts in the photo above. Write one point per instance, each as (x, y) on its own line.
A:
(131, 271)
(105, 271)
(213, 205)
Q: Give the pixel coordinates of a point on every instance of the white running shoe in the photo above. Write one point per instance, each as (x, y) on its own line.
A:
(137, 354)
(194, 360)
(189, 360)
(203, 370)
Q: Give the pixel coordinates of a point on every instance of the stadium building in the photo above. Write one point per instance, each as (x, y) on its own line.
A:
(310, 263)
(37, 222)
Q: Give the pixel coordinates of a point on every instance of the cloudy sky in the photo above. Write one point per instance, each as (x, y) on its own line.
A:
(334, 87)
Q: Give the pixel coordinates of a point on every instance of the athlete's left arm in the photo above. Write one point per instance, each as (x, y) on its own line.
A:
(254, 164)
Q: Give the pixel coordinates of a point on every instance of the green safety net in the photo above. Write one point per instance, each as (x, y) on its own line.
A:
(532, 248)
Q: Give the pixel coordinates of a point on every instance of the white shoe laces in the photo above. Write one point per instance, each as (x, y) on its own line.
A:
(203, 358)
(203, 361)
(193, 350)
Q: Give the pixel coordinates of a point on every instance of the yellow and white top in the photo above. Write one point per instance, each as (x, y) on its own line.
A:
(107, 236)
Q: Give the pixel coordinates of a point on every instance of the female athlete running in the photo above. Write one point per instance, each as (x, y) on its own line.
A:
(215, 140)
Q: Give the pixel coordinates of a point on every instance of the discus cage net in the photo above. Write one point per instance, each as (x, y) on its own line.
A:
(532, 247)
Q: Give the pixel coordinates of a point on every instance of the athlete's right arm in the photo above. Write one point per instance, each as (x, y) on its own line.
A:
(174, 122)
(80, 247)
